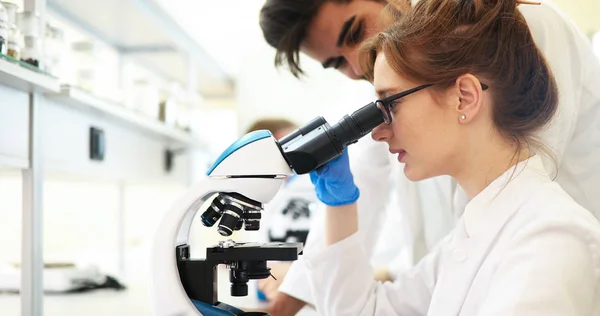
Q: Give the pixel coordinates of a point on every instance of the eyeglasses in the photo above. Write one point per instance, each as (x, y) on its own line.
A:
(386, 105)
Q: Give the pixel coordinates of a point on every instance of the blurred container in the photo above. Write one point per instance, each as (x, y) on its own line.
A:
(182, 106)
(3, 29)
(85, 65)
(145, 98)
(32, 50)
(168, 107)
(54, 49)
(15, 42)
(183, 118)
(167, 111)
(29, 23)
(11, 11)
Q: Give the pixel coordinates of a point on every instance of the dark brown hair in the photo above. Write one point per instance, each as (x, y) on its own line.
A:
(437, 41)
(272, 125)
(284, 24)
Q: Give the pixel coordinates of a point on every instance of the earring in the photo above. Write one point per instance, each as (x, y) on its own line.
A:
(463, 117)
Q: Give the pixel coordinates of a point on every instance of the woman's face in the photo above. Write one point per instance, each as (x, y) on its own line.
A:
(424, 132)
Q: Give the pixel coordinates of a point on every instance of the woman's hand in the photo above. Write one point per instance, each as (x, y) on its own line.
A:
(334, 182)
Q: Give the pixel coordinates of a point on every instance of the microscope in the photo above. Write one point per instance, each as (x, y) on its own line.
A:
(245, 176)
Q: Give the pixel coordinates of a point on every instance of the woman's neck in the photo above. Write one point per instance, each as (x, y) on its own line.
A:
(485, 164)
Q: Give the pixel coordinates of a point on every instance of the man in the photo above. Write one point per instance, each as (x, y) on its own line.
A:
(330, 32)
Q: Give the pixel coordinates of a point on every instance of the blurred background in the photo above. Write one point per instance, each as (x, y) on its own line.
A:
(147, 78)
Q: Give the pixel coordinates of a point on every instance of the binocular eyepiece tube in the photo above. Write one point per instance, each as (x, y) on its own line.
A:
(317, 143)
(234, 212)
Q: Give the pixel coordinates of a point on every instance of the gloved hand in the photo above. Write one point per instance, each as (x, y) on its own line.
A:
(334, 182)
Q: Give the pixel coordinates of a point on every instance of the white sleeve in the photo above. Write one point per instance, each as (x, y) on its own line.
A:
(371, 168)
(342, 280)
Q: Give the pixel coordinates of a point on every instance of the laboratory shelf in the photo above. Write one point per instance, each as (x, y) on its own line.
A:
(143, 30)
(87, 102)
(24, 77)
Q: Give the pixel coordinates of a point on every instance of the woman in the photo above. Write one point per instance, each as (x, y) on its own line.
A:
(464, 90)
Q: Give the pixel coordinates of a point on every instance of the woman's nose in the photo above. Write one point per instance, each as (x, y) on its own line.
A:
(381, 133)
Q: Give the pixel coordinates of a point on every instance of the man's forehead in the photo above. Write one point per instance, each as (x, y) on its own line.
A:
(323, 31)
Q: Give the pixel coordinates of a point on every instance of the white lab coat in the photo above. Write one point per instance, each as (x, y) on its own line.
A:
(523, 247)
(431, 208)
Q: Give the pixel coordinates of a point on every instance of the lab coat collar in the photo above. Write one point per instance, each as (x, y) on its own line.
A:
(487, 212)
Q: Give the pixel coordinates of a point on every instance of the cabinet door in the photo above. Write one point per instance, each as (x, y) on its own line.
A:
(14, 128)
(129, 153)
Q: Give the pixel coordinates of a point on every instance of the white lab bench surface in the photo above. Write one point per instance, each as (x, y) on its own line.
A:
(133, 301)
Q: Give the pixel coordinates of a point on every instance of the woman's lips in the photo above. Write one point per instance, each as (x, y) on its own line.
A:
(401, 153)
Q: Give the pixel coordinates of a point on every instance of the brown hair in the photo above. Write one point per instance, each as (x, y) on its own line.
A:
(439, 40)
(284, 24)
(273, 125)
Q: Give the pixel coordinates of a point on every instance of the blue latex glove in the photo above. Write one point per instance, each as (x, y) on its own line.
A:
(334, 182)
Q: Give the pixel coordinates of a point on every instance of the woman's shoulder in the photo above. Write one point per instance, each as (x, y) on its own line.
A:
(550, 207)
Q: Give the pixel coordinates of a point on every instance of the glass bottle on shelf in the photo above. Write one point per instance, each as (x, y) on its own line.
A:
(183, 119)
(29, 25)
(85, 71)
(3, 29)
(15, 40)
(54, 49)
(146, 97)
(11, 11)
(31, 50)
(184, 110)
(169, 105)
(15, 37)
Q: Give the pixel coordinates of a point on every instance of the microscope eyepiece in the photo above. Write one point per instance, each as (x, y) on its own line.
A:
(315, 144)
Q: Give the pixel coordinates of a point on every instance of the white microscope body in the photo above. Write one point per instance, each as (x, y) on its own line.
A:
(254, 167)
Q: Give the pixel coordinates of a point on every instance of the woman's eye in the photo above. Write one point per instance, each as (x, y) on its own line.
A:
(393, 105)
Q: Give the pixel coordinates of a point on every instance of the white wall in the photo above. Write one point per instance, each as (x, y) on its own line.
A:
(263, 91)
(583, 12)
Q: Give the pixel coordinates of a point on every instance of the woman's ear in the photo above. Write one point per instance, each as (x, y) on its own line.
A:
(470, 97)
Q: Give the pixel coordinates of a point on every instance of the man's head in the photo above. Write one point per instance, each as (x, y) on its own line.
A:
(328, 31)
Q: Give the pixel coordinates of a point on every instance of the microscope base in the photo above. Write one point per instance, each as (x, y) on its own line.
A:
(222, 309)
(246, 261)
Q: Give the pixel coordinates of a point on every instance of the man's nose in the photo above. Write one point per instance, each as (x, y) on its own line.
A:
(352, 58)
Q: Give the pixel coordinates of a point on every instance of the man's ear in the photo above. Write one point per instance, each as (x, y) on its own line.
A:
(470, 97)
